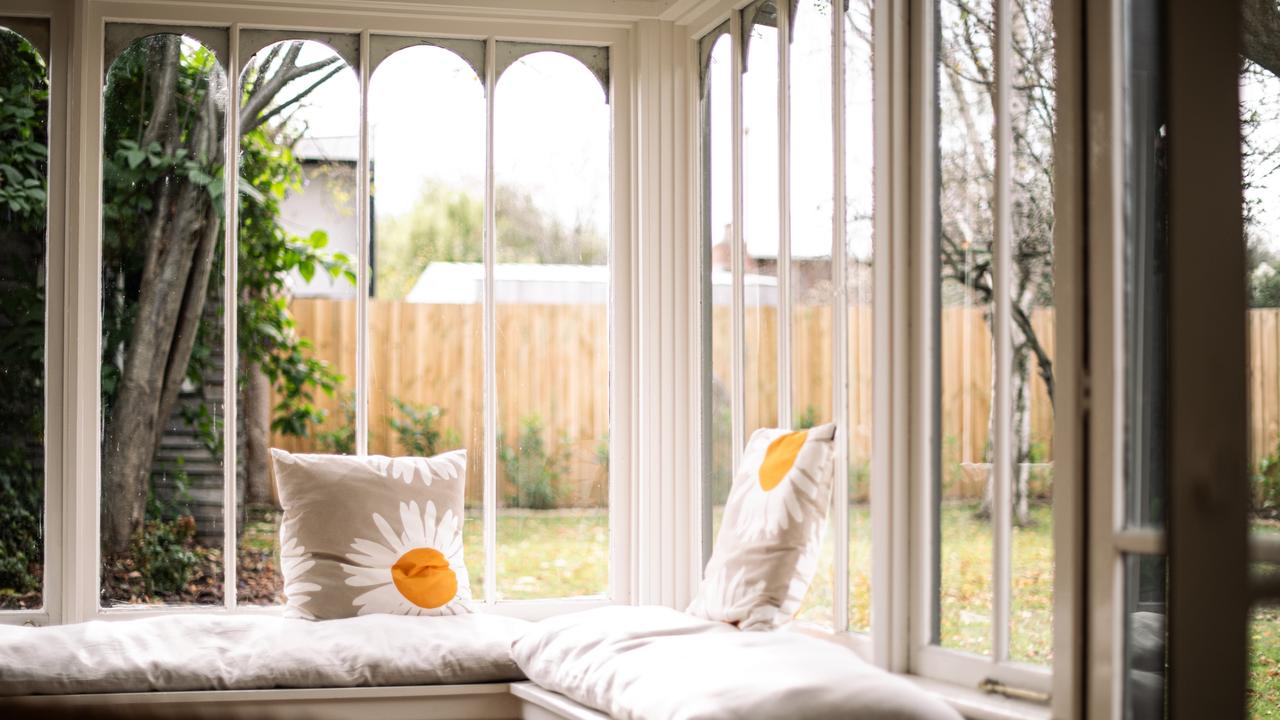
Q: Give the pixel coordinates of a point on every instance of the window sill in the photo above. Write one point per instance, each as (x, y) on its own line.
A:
(978, 705)
(968, 701)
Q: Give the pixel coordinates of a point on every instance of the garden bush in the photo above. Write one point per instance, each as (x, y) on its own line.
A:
(534, 471)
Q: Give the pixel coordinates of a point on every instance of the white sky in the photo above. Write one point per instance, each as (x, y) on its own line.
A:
(1260, 92)
(551, 137)
(810, 140)
(427, 117)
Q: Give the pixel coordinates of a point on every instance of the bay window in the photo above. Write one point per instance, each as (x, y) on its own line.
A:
(598, 255)
(815, 215)
(337, 242)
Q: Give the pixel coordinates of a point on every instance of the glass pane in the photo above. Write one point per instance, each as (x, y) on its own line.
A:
(760, 213)
(1260, 161)
(1145, 267)
(965, 195)
(162, 323)
(426, 315)
(717, 301)
(1032, 114)
(812, 195)
(24, 136)
(1146, 665)
(859, 148)
(296, 275)
(551, 168)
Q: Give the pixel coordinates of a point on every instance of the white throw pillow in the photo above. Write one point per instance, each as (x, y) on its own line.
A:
(373, 534)
(767, 550)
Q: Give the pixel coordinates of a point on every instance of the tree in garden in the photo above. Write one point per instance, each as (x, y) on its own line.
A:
(447, 225)
(966, 91)
(23, 163)
(163, 176)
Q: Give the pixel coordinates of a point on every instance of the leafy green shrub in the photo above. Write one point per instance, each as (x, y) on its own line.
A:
(419, 432)
(533, 470)
(859, 480)
(342, 439)
(165, 556)
(808, 418)
(1266, 485)
(21, 543)
(23, 169)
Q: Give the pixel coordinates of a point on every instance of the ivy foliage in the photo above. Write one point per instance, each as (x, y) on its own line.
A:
(24, 93)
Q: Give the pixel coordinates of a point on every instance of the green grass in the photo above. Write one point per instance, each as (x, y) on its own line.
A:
(1264, 663)
(542, 553)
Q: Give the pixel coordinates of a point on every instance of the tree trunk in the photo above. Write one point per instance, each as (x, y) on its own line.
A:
(1021, 436)
(179, 247)
(256, 406)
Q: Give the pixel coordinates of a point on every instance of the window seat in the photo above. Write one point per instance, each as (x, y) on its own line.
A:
(646, 663)
(201, 652)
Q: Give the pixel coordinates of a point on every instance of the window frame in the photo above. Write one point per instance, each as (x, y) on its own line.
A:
(903, 464)
(884, 644)
(73, 336)
(929, 659)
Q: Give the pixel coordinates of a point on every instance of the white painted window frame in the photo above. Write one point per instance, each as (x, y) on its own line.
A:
(903, 465)
(885, 644)
(72, 447)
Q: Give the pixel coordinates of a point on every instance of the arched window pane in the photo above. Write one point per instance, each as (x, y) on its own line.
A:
(163, 305)
(760, 213)
(860, 200)
(426, 309)
(24, 93)
(717, 138)
(551, 168)
(296, 255)
(812, 194)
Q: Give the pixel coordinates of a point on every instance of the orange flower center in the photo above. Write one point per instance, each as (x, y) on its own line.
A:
(779, 458)
(423, 577)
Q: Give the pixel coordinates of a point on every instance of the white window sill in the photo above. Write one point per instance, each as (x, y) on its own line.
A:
(978, 705)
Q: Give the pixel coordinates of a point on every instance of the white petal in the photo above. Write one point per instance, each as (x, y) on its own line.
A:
(369, 552)
(366, 576)
(413, 534)
(388, 534)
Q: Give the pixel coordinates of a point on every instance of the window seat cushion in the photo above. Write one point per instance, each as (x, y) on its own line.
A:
(189, 651)
(650, 663)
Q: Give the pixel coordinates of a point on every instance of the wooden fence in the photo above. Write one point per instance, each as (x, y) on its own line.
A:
(552, 363)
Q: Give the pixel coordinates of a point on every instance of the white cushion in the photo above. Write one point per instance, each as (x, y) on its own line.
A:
(372, 534)
(654, 663)
(243, 652)
(767, 551)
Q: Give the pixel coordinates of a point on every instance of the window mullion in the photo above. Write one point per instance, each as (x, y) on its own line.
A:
(785, 377)
(839, 327)
(738, 330)
(362, 255)
(490, 496)
(230, 347)
(1002, 459)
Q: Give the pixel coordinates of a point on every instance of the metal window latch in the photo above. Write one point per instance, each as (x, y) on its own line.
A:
(996, 687)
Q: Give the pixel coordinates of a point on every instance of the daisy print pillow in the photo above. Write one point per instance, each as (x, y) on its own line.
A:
(767, 550)
(364, 535)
